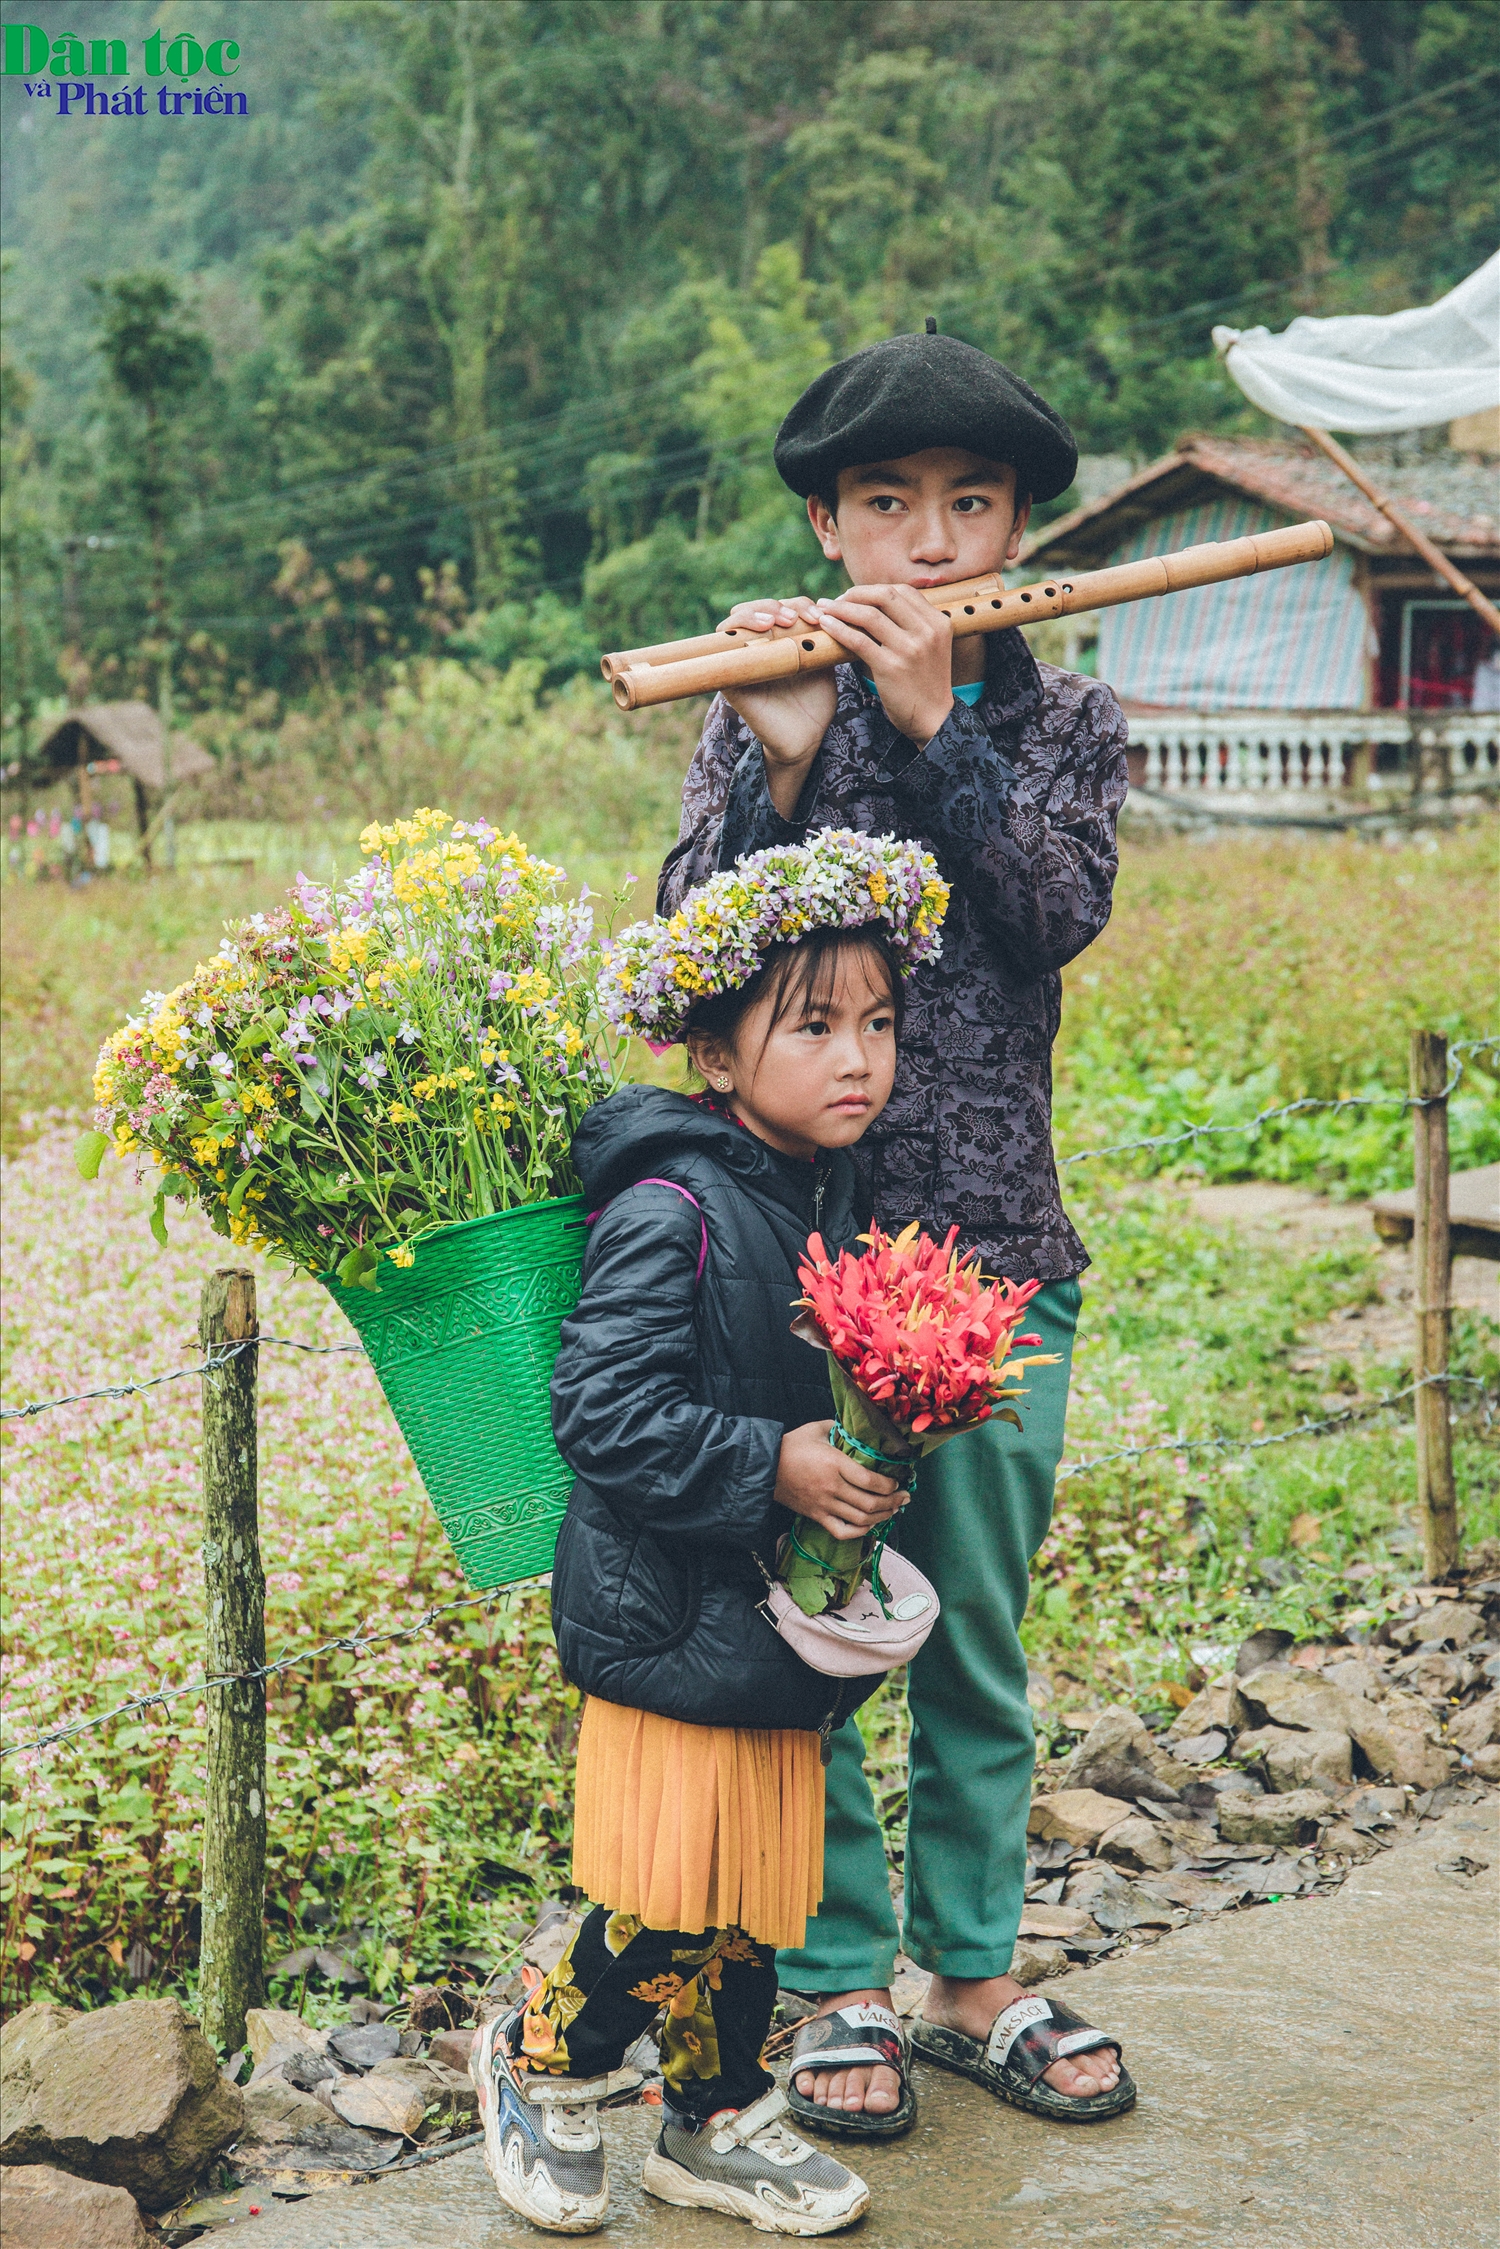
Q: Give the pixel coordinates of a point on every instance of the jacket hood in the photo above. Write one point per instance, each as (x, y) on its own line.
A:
(637, 1132)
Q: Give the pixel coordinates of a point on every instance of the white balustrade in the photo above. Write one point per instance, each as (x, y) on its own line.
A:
(1281, 753)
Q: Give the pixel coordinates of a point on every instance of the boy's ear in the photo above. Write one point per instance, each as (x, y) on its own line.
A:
(825, 526)
(1018, 527)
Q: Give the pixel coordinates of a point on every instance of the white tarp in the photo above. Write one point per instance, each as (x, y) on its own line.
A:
(1374, 374)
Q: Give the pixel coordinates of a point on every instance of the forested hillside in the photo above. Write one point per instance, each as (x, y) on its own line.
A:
(474, 330)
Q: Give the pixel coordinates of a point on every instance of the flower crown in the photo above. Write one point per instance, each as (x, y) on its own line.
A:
(719, 936)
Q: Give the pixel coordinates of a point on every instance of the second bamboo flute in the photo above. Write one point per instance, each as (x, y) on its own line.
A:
(677, 668)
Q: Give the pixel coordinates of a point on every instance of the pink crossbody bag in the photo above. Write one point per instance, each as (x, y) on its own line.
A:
(866, 1635)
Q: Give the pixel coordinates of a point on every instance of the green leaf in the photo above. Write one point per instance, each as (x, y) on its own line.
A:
(89, 1153)
(238, 1191)
(175, 1184)
(159, 1219)
(357, 1270)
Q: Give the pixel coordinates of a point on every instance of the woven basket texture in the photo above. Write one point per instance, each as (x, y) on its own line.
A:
(463, 1342)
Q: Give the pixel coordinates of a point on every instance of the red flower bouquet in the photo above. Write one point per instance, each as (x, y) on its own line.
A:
(919, 1348)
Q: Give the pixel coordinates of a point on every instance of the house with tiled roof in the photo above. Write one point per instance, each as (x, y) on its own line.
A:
(1362, 670)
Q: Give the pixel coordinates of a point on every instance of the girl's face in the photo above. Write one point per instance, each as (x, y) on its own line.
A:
(818, 1077)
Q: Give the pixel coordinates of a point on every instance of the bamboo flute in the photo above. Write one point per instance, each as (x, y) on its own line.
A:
(711, 661)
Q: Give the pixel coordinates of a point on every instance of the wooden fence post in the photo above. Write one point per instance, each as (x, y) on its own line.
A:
(1437, 1500)
(232, 1971)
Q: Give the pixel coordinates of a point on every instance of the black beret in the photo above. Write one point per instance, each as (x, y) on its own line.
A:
(912, 392)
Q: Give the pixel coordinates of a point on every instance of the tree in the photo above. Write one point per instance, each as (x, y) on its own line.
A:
(155, 358)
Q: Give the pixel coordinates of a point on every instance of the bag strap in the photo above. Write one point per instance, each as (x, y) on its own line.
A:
(687, 1198)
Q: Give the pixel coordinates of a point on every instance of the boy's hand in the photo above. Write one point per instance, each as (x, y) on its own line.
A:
(907, 648)
(788, 717)
(825, 1485)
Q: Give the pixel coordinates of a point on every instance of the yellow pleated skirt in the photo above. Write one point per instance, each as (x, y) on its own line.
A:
(699, 1827)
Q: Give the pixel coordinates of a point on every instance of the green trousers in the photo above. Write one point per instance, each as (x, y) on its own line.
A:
(980, 1511)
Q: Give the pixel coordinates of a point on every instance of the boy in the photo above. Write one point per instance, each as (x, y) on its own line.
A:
(919, 459)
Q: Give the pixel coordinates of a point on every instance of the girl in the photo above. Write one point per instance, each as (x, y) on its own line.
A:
(698, 1430)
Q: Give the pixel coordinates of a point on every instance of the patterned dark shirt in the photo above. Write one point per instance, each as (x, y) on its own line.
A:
(1017, 800)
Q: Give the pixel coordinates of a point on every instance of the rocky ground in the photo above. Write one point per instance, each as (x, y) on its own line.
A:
(1279, 1780)
(1291, 1774)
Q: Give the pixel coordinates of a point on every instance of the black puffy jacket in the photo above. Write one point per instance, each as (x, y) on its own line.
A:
(670, 1399)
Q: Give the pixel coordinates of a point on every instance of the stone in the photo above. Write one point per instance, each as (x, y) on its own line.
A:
(44, 2208)
(294, 2065)
(1269, 1645)
(1292, 1818)
(1347, 1841)
(1057, 1921)
(451, 2090)
(1487, 1761)
(1114, 1903)
(1476, 1727)
(266, 2027)
(1189, 1838)
(1075, 1815)
(291, 1964)
(1118, 1757)
(1139, 1845)
(1416, 1758)
(1452, 1624)
(1432, 1673)
(1356, 1675)
(1206, 1713)
(129, 2096)
(275, 2110)
(546, 1943)
(1198, 1893)
(1316, 1759)
(1203, 1797)
(1202, 1749)
(365, 2044)
(1034, 1963)
(1397, 1738)
(452, 2048)
(380, 2104)
(320, 2158)
(335, 1969)
(431, 2007)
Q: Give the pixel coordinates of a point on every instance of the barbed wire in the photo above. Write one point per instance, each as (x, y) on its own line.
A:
(356, 1643)
(360, 1642)
(1398, 1101)
(1118, 1148)
(220, 1356)
(1304, 1428)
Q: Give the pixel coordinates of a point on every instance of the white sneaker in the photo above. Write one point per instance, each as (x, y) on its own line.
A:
(746, 2164)
(541, 2134)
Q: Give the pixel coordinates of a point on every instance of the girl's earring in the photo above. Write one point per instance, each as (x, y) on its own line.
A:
(723, 1084)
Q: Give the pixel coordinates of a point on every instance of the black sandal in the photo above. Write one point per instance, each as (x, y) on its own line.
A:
(854, 2037)
(1027, 2038)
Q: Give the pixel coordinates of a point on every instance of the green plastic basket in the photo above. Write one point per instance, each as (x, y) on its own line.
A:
(463, 1342)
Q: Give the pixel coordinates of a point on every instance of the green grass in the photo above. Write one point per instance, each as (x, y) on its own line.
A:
(419, 1796)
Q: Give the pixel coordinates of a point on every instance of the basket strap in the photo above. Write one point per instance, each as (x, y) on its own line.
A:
(687, 1198)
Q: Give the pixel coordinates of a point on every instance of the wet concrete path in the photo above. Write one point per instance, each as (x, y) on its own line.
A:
(1315, 2072)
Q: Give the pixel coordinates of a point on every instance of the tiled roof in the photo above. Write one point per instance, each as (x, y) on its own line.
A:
(1454, 499)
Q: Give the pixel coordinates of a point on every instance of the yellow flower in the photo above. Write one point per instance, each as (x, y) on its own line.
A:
(878, 887)
(529, 990)
(399, 1113)
(404, 1256)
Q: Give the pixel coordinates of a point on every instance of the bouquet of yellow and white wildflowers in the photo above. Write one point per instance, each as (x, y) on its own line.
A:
(365, 1064)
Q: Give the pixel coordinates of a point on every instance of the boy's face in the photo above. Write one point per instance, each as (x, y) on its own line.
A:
(926, 520)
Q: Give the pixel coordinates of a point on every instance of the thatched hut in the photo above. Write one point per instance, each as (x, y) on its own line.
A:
(123, 737)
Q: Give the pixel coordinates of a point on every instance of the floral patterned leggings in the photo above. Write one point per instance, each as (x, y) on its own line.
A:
(615, 1977)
